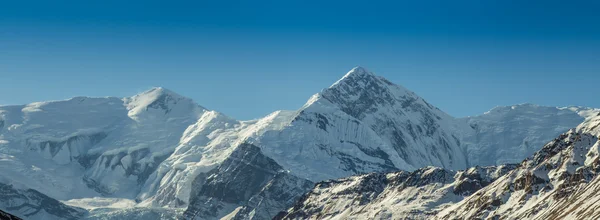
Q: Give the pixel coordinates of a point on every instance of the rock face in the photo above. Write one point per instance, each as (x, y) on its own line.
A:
(7, 216)
(248, 185)
(399, 195)
(166, 153)
(31, 204)
(364, 123)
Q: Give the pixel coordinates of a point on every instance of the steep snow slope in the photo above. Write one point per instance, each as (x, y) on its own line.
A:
(203, 147)
(510, 134)
(363, 123)
(112, 143)
(346, 129)
(399, 195)
(559, 181)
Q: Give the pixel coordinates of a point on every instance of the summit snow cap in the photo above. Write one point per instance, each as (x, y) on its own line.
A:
(355, 73)
(163, 102)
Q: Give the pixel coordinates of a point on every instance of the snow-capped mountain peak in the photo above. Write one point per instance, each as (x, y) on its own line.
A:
(160, 101)
(364, 123)
(163, 150)
(361, 92)
(355, 73)
(360, 83)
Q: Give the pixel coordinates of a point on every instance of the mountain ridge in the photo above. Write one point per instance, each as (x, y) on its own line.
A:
(559, 181)
(155, 148)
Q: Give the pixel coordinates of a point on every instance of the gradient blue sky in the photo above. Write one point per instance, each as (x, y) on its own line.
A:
(249, 58)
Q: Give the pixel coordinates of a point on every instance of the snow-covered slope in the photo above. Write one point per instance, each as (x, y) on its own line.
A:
(344, 130)
(363, 123)
(510, 134)
(67, 148)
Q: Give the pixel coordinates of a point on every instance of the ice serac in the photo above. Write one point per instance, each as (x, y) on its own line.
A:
(364, 123)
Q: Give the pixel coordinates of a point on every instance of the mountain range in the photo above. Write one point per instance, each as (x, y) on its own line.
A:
(559, 181)
(363, 139)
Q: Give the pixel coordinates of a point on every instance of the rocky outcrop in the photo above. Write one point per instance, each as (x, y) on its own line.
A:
(8, 216)
(31, 204)
(248, 185)
(543, 186)
(400, 195)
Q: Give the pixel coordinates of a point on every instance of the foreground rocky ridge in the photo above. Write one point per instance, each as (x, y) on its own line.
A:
(558, 182)
(7, 216)
(399, 195)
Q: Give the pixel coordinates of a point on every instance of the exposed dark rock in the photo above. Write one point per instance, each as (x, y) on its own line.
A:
(28, 203)
(7, 216)
(247, 179)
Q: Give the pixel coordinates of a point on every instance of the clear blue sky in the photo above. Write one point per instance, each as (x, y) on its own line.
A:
(249, 58)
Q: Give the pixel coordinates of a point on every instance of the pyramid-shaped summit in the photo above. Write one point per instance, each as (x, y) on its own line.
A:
(364, 123)
(360, 92)
(356, 73)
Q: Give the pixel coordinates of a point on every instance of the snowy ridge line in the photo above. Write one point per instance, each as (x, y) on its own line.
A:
(157, 148)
